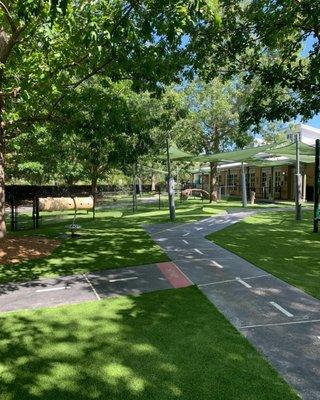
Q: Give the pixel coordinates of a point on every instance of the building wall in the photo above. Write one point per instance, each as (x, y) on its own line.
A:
(267, 182)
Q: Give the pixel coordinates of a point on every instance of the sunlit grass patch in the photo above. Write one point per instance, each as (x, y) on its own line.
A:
(165, 345)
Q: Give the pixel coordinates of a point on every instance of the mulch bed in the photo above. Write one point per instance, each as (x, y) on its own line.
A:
(16, 250)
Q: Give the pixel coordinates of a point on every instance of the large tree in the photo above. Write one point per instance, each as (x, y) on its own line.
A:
(212, 122)
(50, 48)
(275, 45)
(110, 125)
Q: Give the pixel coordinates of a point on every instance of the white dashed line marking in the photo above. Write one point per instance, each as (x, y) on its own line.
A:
(278, 307)
(310, 321)
(244, 283)
(53, 289)
(198, 251)
(199, 229)
(186, 234)
(123, 279)
(92, 288)
(185, 241)
(215, 264)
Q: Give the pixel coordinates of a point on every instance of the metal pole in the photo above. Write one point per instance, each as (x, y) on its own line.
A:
(170, 186)
(244, 186)
(316, 188)
(298, 181)
(134, 191)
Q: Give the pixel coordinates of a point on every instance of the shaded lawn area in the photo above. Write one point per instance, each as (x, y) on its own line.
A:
(108, 242)
(279, 245)
(115, 239)
(159, 346)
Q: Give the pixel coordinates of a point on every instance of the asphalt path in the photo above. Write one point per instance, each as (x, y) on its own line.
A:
(281, 321)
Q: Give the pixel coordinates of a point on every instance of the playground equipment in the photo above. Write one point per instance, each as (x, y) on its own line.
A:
(186, 193)
(47, 198)
(65, 203)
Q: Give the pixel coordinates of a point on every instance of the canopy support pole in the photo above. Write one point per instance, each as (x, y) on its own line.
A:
(170, 184)
(243, 186)
(298, 185)
(316, 188)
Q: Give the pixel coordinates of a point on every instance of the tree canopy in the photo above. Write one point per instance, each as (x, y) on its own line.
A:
(265, 41)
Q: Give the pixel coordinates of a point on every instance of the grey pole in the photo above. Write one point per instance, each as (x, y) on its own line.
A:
(243, 186)
(170, 186)
(298, 181)
(316, 187)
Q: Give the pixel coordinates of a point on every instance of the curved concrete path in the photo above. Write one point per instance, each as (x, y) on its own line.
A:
(281, 321)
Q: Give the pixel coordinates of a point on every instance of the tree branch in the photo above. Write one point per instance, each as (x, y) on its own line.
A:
(8, 16)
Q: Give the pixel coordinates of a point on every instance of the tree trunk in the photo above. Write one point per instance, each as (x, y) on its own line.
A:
(153, 182)
(94, 186)
(94, 183)
(2, 170)
(2, 197)
(213, 181)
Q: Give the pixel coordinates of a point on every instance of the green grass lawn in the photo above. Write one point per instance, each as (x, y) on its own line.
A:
(115, 239)
(279, 245)
(159, 346)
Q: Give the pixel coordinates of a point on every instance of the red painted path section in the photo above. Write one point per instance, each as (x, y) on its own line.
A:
(173, 274)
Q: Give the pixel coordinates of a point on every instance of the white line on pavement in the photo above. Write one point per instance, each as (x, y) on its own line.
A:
(186, 234)
(310, 321)
(216, 264)
(90, 284)
(123, 279)
(185, 241)
(277, 306)
(228, 280)
(216, 283)
(243, 283)
(199, 229)
(53, 289)
(198, 251)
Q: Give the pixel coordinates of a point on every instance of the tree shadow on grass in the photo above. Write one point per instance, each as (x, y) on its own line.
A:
(161, 346)
(103, 244)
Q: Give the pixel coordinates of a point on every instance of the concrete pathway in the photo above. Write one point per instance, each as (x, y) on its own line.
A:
(281, 321)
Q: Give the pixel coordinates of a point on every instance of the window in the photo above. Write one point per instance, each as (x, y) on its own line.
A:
(232, 180)
(264, 179)
(277, 179)
(292, 136)
(252, 180)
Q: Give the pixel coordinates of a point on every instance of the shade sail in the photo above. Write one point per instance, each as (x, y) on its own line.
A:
(251, 154)
(177, 154)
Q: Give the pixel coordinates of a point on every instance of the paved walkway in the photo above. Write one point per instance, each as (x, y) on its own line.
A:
(281, 321)
(91, 286)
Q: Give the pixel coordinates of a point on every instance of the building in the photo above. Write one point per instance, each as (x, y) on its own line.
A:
(271, 178)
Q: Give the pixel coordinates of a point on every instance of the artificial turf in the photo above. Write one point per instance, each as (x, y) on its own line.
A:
(115, 239)
(278, 244)
(159, 346)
